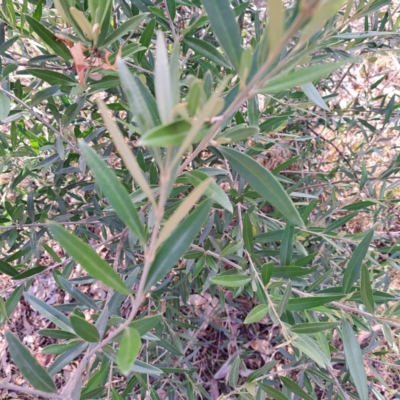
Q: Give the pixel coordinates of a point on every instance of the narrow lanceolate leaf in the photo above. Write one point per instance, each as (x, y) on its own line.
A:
(125, 152)
(295, 388)
(313, 327)
(352, 271)
(141, 102)
(5, 106)
(52, 77)
(182, 211)
(248, 233)
(226, 29)
(207, 50)
(128, 26)
(81, 297)
(84, 329)
(312, 93)
(309, 347)
(263, 182)
(286, 249)
(114, 190)
(48, 312)
(87, 258)
(257, 313)
(32, 371)
(354, 359)
(49, 38)
(275, 394)
(302, 76)
(128, 350)
(214, 191)
(231, 281)
(285, 299)
(176, 245)
(163, 81)
(276, 14)
(366, 290)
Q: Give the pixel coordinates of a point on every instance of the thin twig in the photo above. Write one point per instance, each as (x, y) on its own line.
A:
(33, 392)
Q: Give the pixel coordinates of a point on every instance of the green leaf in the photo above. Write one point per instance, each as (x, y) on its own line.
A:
(366, 290)
(144, 325)
(84, 255)
(128, 26)
(266, 272)
(354, 359)
(214, 191)
(176, 245)
(172, 134)
(225, 28)
(48, 312)
(276, 24)
(286, 249)
(32, 371)
(309, 347)
(60, 347)
(305, 303)
(51, 77)
(5, 106)
(233, 375)
(82, 298)
(275, 394)
(248, 233)
(312, 93)
(114, 190)
(352, 271)
(84, 329)
(238, 133)
(207, 50)
(28, 273)
(313, 327)
(128, 350)
(257, 313)
(57, 334)
(49, 38)
(282, 306)
(261, 371)
(302, 76)
(295, 388)
(231, 281)
(141, 102)
(263, 182)
(6, 45)
(7, 269)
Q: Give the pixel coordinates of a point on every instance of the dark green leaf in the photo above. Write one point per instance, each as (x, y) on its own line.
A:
(263, 182)
(352, 271)
(231, 281)
(248, 233)
(29, 272)
(366, 290)
(49, 38)
(313, 327)
(176, 245)
(51, 77)
(295, 388)
(270, 391)
(305, 303)
(114, 190)
(354, 359)
(57, 334)
(84, 255)
(33, 372)
(84, 329)
(207, 50)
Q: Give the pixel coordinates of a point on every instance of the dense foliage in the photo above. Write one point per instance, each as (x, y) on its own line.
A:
(174, 153)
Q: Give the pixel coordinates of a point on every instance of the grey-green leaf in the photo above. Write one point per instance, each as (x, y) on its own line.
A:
(114, 190)
(354, 359)
(263, 182)
(5, 105)
(312, 93)
(87, 258)
(366, 290)
(33, 372)
(352, 271)
(226, 29)
(207, 50)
